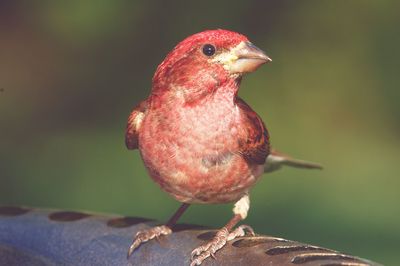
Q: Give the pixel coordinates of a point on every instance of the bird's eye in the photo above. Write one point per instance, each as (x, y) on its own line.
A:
(209, 49)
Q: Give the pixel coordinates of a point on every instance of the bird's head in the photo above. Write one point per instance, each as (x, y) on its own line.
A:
(206, 60)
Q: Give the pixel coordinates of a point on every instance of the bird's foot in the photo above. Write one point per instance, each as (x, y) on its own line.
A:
(145, 235)
(219, 241)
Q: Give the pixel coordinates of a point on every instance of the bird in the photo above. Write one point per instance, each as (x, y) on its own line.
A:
(199, 141)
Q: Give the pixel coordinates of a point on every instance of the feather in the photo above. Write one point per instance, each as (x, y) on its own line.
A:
(276, 160)
(255, 147)
(133, 126)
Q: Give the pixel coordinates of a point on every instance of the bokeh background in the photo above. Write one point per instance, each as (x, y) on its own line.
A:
(70, 72)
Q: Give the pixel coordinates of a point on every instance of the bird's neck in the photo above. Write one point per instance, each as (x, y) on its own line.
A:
(224, 91)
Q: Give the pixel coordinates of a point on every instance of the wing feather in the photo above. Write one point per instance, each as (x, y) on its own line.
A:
(134, 122)
(254, 147)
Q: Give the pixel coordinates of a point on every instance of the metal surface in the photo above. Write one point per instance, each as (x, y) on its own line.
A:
(45, 237)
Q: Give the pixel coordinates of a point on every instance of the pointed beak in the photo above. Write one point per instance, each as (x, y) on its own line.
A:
(249, 58)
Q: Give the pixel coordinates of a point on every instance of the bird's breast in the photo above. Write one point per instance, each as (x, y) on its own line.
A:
(192, 152)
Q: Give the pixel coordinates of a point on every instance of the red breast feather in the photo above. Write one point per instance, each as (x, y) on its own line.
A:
(199, 141)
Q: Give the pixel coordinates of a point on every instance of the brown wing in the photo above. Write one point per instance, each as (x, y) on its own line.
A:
(254, 147)
(134, 122)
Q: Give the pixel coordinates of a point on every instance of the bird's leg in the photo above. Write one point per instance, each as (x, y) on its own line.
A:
(155, 232)
(225, 233)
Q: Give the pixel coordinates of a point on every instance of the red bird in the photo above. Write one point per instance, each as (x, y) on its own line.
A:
(199, 141)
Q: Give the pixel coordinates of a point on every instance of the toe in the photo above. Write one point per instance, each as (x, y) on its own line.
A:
(209, 249)
(195, 262)
(248, 229)
(199, 260)
(194, 253)
(146, 235)
(197, 251)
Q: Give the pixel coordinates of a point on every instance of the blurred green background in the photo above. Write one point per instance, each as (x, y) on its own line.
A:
(70, 72)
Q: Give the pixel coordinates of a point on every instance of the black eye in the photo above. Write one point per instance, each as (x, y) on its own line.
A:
(208, 49)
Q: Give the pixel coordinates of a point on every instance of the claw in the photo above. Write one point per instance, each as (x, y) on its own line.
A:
(212, 255)
(194, 263)
(132, 248)
(194, 254)
(200, 258)
(209, 249)
(248, 229)
(146, 235)
(199, 250)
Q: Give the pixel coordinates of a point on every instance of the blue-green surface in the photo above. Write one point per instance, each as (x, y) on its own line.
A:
(50, 237)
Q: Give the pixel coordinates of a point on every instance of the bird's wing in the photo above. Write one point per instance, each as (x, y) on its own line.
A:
(254, 147)
(134, 122)
(276, 160)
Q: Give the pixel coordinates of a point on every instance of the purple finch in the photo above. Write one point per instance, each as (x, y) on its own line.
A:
(199, 141)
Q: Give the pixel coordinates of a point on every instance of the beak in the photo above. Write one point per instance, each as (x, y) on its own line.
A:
(249, 58)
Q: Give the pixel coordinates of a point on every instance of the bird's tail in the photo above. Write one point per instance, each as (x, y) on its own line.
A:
(276, 160)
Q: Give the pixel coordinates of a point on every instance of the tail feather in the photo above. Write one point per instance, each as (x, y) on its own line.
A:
(276, 160)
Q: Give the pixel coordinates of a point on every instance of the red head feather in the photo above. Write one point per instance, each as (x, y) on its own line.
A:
(187, 66)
